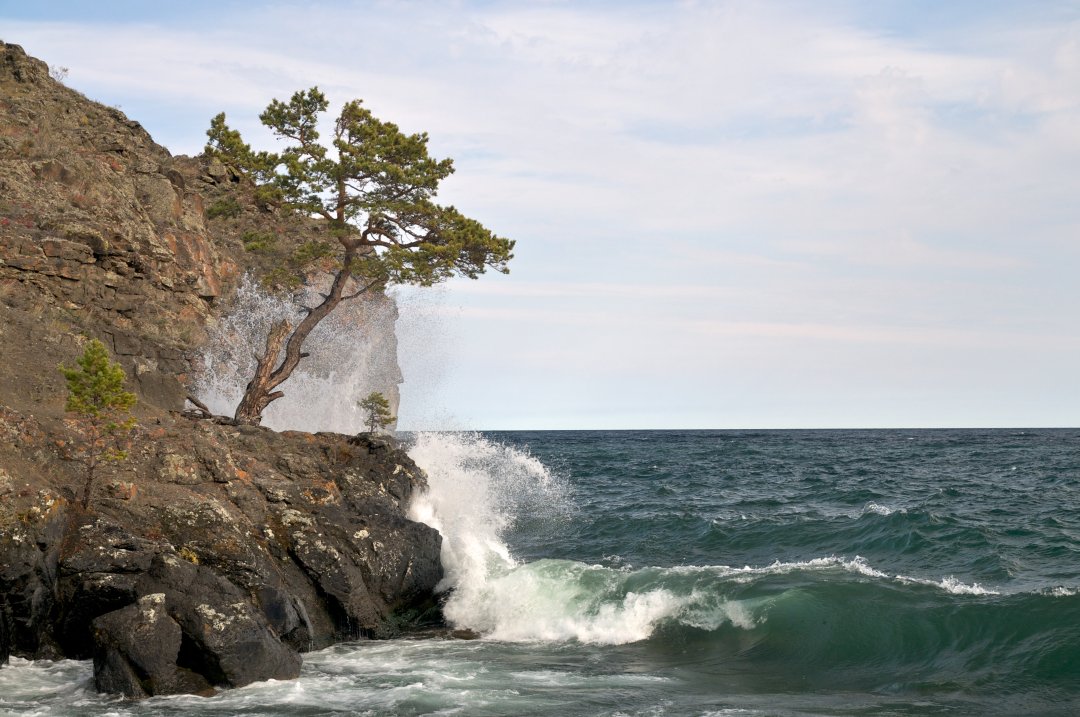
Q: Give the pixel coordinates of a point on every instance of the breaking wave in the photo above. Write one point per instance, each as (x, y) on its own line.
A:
(823, 614)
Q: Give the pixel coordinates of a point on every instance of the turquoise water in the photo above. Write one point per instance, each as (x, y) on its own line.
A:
(712, 573)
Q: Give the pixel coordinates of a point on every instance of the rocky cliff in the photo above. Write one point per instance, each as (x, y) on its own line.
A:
(215, 554)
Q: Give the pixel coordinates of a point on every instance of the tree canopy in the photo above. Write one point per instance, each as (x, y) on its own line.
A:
(100, 408)
(376, 410)
(374, 187)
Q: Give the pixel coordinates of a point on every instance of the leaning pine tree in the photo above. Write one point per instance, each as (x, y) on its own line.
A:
(374, 188)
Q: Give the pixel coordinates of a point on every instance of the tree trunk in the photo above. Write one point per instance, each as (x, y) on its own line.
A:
(260, 391)
(88, 483)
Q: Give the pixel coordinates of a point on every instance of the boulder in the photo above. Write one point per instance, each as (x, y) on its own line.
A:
(137, 650)
(227, 640)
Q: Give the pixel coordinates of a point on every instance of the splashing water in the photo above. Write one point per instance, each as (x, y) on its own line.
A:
(353, 352)
(478, 489)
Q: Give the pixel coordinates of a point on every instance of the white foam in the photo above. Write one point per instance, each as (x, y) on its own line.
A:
(44, 688)
(477, 488)
(857, 565)
(353, 352)
(954, 586)
(524, 606)
(832, 562)
(879, 509)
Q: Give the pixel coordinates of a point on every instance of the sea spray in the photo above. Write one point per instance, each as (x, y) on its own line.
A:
(478, 489)
(352, 352)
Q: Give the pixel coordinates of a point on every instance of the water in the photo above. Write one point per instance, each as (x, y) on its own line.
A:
(711, 573)
(353, 352)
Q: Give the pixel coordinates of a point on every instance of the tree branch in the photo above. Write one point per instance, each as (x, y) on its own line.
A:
(200, 405)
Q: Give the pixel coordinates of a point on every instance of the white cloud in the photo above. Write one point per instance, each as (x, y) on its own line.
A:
(728, 170)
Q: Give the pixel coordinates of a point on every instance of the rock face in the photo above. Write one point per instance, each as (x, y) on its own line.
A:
(214, 554)
(100, 234)
(104, 234)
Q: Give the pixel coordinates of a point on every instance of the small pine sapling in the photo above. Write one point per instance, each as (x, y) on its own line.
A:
(100, 411)
(376, 411)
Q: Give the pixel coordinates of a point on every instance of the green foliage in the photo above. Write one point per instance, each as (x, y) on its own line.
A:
(226, 145)
(376, 411)
(226, 208)
(96, 387)
(374, 186)
(100, 410)
(258, 241)
(294, 267)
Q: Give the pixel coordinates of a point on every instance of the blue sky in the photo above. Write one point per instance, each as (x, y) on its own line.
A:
(728, 214)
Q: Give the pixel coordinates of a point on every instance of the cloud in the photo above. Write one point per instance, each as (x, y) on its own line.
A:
(770, 177)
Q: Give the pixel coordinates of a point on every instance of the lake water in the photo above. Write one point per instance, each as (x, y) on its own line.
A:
(923, 572)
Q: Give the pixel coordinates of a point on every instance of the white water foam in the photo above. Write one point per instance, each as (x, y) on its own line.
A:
(857, 565)
(954, 586)
(44, 688)
(477, 488)
(879, 509)
(353, 352)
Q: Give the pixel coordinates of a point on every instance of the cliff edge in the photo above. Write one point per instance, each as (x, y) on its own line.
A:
(214, 554)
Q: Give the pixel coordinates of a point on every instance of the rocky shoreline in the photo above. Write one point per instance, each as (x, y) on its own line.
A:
(215, 554)
(214, 557)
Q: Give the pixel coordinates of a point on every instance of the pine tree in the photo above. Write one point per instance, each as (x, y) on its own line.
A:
(100, 410)
(373, 188)
(376, 411)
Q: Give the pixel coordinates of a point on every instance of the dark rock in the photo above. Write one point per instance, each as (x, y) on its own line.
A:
(137, 651)
(5, 644)
(227, 640)
(286, 616)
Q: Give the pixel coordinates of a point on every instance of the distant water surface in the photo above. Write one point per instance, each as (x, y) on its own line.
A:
(711, 573)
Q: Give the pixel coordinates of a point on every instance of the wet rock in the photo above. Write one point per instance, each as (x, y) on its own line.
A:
(226, 639)
(137, 650)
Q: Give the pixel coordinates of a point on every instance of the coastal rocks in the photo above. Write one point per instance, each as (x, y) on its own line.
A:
(232, 550)
(190, 630)
(213, 555)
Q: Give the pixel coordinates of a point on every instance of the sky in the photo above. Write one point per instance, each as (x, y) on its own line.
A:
(728, 214)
